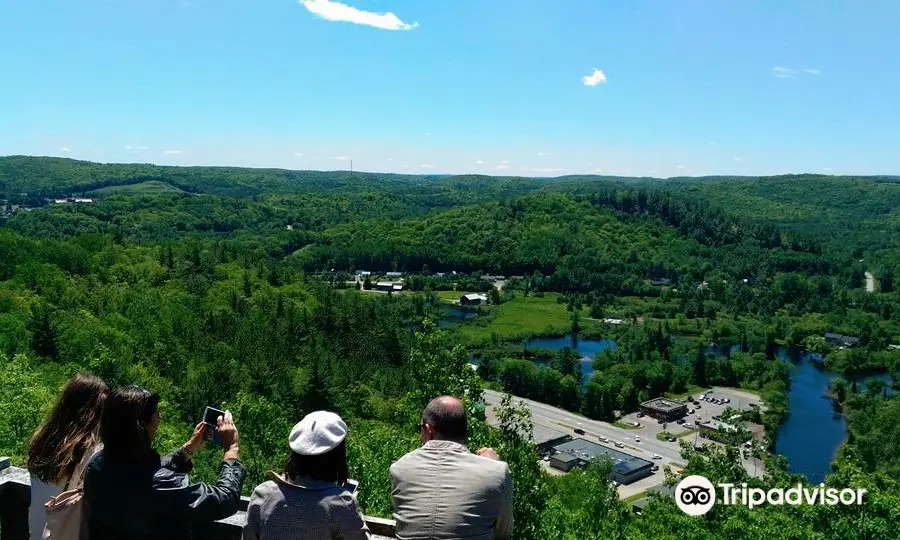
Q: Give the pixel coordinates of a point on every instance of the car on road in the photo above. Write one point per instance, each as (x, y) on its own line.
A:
(679, 421)
(578, 431)
(619, 445)
(654, 468)
(698, 405)
(688, 425)
(637, 439)
(640, 414)
(603, 439)
(636, 424)
(671, 439)
(546, 458)
(657, 456)
(726, 400)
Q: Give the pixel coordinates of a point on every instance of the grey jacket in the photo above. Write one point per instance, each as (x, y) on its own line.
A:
(303, 509)
(443, 492)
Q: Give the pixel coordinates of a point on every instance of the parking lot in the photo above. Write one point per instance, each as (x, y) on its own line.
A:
(704, 411)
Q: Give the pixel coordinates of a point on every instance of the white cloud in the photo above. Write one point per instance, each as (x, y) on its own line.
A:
(598, 170)
(64, 149)
(172, 152)
(428, 166)
(827, 169)
(129, 147)
(737, 158)
(479, 162)
(595, 78)
(298, 154)
(790, 73)
(428, 134)
(141, 147)
(335, 11)
(679, 166)
(783, 72)
(550, 169)
(504, 165)
(542, 154)
(341, 158)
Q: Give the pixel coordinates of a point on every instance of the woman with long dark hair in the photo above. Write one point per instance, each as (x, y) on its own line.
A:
(131, 493)
(61, 446)
(311, 499)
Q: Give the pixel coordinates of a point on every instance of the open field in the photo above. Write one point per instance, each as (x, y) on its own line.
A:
(151, 187)
(523, 317)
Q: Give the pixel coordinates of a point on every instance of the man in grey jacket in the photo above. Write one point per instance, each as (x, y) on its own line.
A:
(442, 491)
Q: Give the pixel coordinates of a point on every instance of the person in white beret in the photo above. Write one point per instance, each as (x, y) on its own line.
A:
(311, 499)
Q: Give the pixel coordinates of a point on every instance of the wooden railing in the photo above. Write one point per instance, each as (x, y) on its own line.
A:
(15, 498)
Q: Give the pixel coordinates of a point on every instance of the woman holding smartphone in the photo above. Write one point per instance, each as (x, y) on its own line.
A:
(311, 499)
(130, 492)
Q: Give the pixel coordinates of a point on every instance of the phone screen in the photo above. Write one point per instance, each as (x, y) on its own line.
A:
(351, 486)
(211, 416)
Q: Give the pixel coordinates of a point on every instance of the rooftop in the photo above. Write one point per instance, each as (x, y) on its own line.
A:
(662, 404)
(589, 451)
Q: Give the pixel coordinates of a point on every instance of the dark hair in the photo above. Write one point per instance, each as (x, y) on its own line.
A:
(328, 467)
(447, 416)
(126, 420)
(58, 445)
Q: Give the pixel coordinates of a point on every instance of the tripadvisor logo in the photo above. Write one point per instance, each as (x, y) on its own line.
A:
(696, 495)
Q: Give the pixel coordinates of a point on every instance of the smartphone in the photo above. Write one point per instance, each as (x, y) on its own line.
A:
(211, 419)
(351, 486)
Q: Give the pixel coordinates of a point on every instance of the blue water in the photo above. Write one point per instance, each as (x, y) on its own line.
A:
(587, 348)
(454, 315)
(812, 433)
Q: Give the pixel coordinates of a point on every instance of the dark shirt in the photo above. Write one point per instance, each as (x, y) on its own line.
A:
(154, 499)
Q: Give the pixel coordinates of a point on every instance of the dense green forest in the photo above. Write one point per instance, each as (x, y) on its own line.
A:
(233, 287)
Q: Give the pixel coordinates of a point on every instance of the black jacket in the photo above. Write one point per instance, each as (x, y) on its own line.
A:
(154, 499)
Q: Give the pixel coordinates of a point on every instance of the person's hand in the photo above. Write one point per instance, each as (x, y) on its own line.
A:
(229, 434)
(197, 440)
(489, 453)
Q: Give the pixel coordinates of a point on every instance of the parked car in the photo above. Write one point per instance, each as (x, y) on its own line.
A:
(619, 445)
(688, 425)
(546, 458)
(654, 468)
(679, 421)
(690, 411)
(671, 439)
(603, 439)
(657, 456)
(640, 414)
(699, 406)
(578, 431)
(636, 424)
(727, 400)
(702, 396)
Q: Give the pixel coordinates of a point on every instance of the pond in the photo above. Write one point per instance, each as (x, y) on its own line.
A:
(813, 431)
(455, 314)
(587, 348)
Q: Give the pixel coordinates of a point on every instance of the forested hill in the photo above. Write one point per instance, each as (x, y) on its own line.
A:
(862, 212)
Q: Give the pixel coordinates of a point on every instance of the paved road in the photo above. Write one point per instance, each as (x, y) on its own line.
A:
(565, 421)
(870, 282)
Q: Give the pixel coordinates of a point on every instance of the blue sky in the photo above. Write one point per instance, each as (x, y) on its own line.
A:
(685, 87)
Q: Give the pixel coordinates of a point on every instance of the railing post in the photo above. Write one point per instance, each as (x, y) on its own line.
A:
(15, 496)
